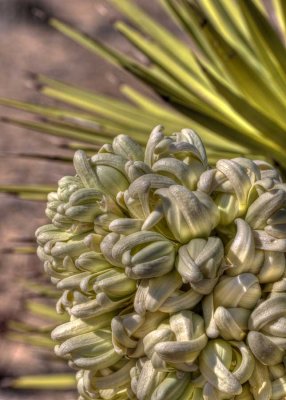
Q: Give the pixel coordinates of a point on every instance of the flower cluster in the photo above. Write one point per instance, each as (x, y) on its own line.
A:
(172, 272)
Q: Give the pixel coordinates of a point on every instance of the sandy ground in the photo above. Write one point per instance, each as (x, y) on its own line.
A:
(29, 45)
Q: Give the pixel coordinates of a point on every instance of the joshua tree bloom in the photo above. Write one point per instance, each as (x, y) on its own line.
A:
(172, 272)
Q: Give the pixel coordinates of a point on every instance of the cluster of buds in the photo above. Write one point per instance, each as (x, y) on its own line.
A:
(172, 272)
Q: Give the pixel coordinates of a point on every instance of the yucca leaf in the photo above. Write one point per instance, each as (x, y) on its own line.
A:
(179, 11)
(215, 101)
(173, 46)
(151, 106)
(37, 340)
(267, 45)
(180, 75)
(28, 192)
(45, 111)
(234, 13)
(21, 249)
(244, 77)
(163, 113)
(96, 102)
(119, 117)
(59, 129)
(32, 196)
(248, 143)
(85, 120)
(40, 382)
(93, 45)
(260, 5)
(172, 121)
(44, 310)
(27, 188)
(162, 84)
(257, 120)
(46, 291)
(24, 328)
(280, 12)
(215, 11)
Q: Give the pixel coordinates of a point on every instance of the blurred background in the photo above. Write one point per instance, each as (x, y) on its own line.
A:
(28, 45)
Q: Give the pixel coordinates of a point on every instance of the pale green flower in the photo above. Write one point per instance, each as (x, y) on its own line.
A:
(200, 262)
(172, 272)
